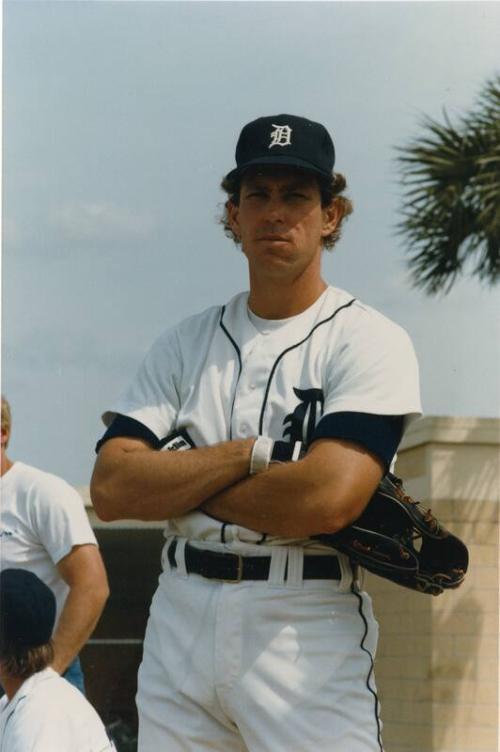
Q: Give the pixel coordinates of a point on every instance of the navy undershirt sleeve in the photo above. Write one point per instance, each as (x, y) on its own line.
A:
(380, 434)
(124, 426)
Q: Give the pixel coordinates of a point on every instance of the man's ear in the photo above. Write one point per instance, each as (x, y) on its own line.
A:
(332, 214)
(233, 217)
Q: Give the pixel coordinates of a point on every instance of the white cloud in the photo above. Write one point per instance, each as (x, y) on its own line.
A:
(101, 221)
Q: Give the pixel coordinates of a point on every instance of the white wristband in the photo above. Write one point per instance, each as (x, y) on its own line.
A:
(297, 448)
(261, 454)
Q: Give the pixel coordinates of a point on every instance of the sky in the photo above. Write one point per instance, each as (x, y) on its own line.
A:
(120, 118)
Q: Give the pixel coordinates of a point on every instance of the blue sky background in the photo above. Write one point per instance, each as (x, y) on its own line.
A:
(120, 118)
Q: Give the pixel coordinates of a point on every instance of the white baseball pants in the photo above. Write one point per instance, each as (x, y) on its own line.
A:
(258, 667)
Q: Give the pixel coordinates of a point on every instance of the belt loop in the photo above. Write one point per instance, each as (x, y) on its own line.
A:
(165, 564)
(180, 558)
(277, 566)
(347, 575)
(295, 569)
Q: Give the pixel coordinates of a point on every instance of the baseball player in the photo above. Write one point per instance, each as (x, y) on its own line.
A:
(251, 427)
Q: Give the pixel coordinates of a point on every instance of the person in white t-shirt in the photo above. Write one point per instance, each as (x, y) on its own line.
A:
(45, 529)
(41, 711)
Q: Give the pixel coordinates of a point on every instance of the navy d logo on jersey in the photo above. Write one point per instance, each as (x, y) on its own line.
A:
(281, 136)
(302, 422)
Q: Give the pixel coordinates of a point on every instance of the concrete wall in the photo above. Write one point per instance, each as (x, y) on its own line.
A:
(437, 667)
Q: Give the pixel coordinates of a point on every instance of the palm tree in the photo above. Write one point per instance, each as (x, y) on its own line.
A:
(451, 206)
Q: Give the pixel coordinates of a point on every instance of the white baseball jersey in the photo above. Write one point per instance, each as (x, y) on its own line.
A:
(283, 665)
(225, 374)
(42, 518)
(48, 714)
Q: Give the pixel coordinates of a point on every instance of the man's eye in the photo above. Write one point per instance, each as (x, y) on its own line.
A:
(297, 195)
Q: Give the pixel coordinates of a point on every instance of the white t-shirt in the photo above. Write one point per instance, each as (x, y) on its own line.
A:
(225, 374)
(48, 714)
(41, 518)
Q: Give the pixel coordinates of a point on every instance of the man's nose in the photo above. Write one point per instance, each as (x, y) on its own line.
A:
(275, 210)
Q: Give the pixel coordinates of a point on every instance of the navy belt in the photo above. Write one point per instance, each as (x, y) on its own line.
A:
(215, 565)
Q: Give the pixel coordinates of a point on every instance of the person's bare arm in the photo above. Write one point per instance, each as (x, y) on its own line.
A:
(322, 493)
(83, 571)
(133, 481)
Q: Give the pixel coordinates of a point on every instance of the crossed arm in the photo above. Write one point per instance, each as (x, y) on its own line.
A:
(323, 492)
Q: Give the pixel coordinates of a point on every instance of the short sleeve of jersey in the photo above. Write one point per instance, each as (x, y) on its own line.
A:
(374, 370)
(59, 517)
(152, 398)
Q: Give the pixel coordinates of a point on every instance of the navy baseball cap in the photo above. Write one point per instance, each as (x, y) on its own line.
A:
(285, 140)
(27, 609)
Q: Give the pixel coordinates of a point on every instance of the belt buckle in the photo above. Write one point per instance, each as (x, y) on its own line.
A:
(239, 570)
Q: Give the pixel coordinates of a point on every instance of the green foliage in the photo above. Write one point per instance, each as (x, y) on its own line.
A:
(451, 206)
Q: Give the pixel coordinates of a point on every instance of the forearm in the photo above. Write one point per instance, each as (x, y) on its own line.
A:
(78, 619)
(300, 499)
(276, 502)
(152, 485)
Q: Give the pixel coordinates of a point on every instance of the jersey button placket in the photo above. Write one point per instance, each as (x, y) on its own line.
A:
(247, 400)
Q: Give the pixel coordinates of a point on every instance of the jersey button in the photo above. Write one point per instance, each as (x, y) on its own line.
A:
(251, 386)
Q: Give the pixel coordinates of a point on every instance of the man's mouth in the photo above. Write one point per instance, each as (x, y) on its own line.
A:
(272, 237)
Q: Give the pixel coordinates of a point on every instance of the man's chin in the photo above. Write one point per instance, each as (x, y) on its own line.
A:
(278, 257)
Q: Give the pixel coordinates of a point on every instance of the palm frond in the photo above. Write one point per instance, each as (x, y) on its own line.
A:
(451, 204)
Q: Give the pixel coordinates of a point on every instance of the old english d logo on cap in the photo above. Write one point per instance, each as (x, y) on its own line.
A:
(285, 140)
(280, 136)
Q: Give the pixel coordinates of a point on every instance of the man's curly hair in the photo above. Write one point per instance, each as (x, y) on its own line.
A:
(330, 190)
